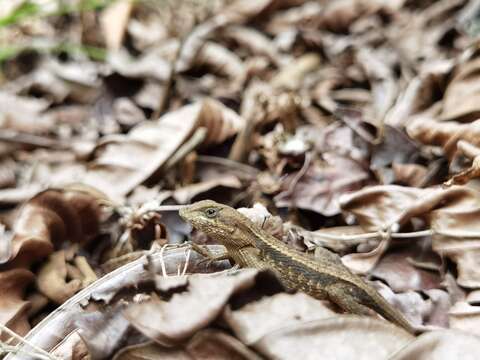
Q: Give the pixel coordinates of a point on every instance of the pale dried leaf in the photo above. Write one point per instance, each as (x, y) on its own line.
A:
(113, 21)
(441, 345)
(254, 320)
(343, 337)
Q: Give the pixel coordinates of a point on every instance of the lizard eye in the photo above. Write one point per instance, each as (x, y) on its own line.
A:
(211, 212)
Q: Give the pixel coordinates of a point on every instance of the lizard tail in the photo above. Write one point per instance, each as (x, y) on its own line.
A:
(385, 309)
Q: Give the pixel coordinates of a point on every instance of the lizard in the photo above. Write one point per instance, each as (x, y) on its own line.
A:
(323, 278)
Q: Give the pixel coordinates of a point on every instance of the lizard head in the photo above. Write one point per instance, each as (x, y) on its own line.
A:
(216, 220)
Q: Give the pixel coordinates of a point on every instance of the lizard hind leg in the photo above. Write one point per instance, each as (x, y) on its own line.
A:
(344, 296)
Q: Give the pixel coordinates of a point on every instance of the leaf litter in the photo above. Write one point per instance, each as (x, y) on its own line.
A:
(350, 125)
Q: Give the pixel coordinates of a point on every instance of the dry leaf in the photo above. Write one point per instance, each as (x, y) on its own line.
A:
(445, 134)
(51, 280)
(122, 162)
(13, 309)
(254, 320)
(441, 345)
(113, 21)
(460, 101)
(341, 337)
(51, 218)
(291, 75)
(319, 188)
(72, 348)
(205, 298)
(220, 121)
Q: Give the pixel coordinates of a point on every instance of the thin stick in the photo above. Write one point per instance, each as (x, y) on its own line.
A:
(374, 235)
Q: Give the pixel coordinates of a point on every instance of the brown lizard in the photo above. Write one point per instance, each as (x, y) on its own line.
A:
(250, 246)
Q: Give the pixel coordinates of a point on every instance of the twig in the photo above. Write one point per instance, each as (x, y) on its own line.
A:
(374, 235)
(298, 176)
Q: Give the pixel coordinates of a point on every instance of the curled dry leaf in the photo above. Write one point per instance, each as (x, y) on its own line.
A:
(381, 78)
(220, 121)
(338, 16)
(51, 218)
(420, 93)
(221, 61)
(125, 161)
(256, 42)
(413, 175)
(291, 75)
(445, 134)
(103, 331)
(52, 279)
(379, 206)
(122, 162)
(471, 152)
(462, 95)
(238, 13)
(451, 214)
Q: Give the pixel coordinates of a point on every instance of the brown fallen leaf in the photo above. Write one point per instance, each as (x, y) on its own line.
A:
(398, 272)
(472, 152)
(13, 307)
(445, 134)
(220, 121)
(378, 206)
(413, 175)
(460, 101)
(320, 188)
(49, 219)
(52, 279)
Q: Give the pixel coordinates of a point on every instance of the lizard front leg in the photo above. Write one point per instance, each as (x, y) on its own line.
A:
(210, 258)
